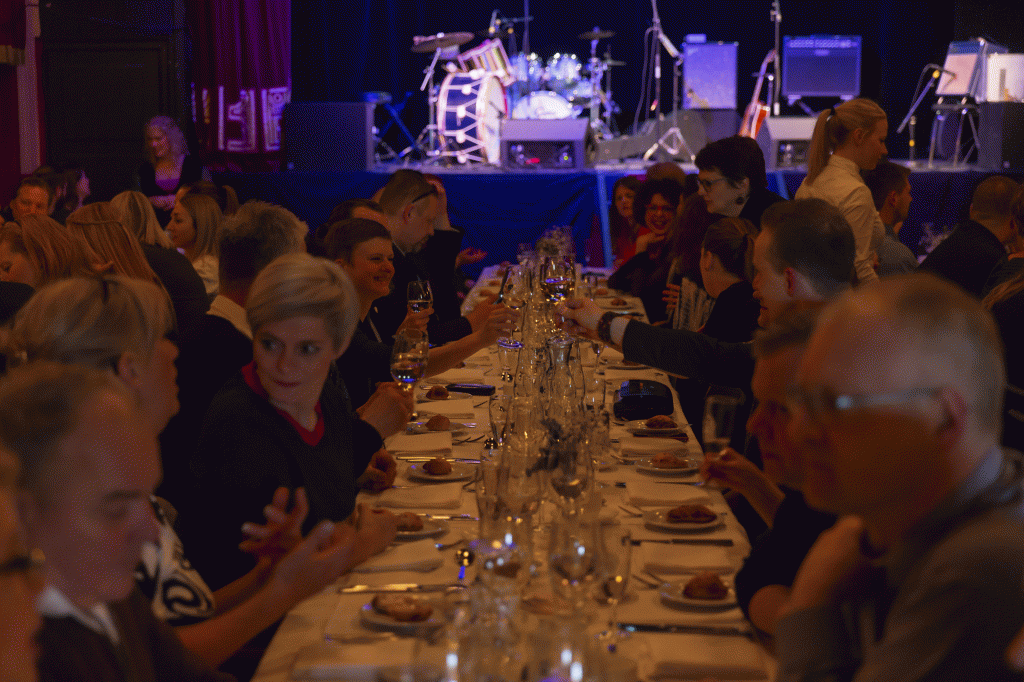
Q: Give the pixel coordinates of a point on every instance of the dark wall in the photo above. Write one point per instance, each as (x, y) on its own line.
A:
(342, 49)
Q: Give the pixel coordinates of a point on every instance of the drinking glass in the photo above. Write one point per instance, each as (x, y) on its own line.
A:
(557, 278)
(514, 295)
(720, 421)
(409, 358)
(420, 296)
(574, 561)
(498, 412)
(617, 548)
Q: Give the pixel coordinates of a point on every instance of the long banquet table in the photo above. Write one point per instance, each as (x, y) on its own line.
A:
(708, 643)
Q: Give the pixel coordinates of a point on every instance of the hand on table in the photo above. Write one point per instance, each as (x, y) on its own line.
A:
(375, 530)
(388, 409)
(380, 472)
(326, 553)
(283, 529)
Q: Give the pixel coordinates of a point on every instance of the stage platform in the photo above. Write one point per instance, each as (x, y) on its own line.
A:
(500, 209)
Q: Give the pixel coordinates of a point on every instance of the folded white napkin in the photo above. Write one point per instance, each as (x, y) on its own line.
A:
(421, 555)
(648, 609)
(449, 408)
(652, 494)
(674, 559)
(617, 376)
(434, 496)
(462, 375)
(636, 446)
(434, 441)
(346, 661)
(694, 656)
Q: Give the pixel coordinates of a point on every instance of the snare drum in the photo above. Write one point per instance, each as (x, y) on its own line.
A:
(489, 57)
(544, 105)
(469, 109)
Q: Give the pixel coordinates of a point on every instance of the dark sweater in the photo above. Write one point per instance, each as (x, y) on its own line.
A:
(966, 257)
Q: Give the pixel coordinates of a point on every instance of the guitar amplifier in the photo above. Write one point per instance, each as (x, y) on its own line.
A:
(555, 144)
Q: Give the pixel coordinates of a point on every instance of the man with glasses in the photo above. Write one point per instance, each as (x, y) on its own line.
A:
(895, 413)
(89, 464)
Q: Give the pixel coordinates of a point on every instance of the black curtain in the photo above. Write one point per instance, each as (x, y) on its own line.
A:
(341, 49)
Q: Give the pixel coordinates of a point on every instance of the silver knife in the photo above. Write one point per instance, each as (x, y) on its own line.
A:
(718, 542)
(449, 517)
(736, 630)
(398, 587)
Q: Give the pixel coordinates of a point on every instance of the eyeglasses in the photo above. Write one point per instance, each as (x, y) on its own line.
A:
(823, 403)
(708, 184)
(32, 565)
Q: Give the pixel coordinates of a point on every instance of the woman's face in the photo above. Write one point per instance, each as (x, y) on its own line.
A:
(624, 202)
(16, 267)
(157, 385)
(371, 268)
(293, 357)
(19, 621)
(659, 215)
(720, 195)
(156, 140)
(181, 229)
(872, 145)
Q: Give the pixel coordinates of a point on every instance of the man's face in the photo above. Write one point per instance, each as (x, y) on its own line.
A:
(98, 516)
(417, 225)
(31, 200)
(858, 460)
(773, 375)
(769, 284)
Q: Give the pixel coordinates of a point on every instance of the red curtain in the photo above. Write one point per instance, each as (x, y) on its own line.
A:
(242, 80)
(12, 54)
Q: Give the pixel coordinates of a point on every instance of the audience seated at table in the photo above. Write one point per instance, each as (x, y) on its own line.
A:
(88, 465)
(1013, 263)
(686, 301)
(896, 411)
(280, 422)
(257, 234)
(621, 225)
(22, 577)
(967, 256)
(732, 179)
(350, 208)
(364, 251)
(889, 184)
(645, 274)
(180, 279)
(772, 490)
(36, 250)
(194, 228)
(115, 249)
(168, 165)
(847, 139)
(411, 205)
(443, 257)
(224, 195)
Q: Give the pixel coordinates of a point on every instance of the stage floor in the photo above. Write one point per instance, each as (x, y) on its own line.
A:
(499, 209)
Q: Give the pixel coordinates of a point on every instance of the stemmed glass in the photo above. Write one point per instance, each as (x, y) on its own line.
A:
(420, 296)
(514, 296)
(617, 546)
(409, 358)
(574, 560)
(557, 283)
(720, 421)
(498, 412)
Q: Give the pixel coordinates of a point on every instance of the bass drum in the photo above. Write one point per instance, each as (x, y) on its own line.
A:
(545, 105)
(470, 107)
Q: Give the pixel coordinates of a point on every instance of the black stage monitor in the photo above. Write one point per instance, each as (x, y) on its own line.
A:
(820, 66)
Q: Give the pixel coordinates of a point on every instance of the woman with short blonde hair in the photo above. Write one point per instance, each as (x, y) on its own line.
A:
(848, 139)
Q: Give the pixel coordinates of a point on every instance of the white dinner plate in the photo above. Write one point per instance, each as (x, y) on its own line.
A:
(607, 303)
(452, 395)
(638, 427)
(644, 466)
(420, 427)
(460, 472)
(431, 527)
(658, 518)
(371, 617)
(672, 595)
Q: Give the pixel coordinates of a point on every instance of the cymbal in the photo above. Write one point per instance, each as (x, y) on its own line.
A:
(439, 41)
(596, 35)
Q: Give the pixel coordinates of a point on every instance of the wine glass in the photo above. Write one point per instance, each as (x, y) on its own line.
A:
(498, 412)
(617, 548)
(557, 278)
(420, 296)
(720, 421)
(574, 560)
(409, 358)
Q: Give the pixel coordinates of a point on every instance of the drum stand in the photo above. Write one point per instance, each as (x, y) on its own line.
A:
(429, 140)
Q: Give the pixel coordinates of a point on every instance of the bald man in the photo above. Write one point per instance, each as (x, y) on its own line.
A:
(895, 412)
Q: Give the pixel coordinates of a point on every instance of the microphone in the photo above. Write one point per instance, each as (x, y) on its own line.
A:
(493, 28)
(938, 69)
(669, 47)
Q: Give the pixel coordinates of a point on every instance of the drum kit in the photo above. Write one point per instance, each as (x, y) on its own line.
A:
(482, 85)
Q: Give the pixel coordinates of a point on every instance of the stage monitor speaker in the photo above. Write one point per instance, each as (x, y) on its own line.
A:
(327, 136)
(557, 144)
(784, 140)
(1001, 135)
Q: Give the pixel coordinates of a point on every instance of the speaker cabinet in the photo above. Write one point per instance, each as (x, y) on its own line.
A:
(331, 136)
(559, 144)
(784, 140)
(1001, 135)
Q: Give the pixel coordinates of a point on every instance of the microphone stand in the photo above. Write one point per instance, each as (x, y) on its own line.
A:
(776, 17)
(673, 134)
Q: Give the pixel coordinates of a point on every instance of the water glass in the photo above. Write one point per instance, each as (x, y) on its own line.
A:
(420, 296)
(720, 421)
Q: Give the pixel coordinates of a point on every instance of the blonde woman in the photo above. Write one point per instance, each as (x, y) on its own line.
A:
(116, 249)
(168, 165)
(194, 230)
(846, 140)
(138, 216)
(36, 250)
